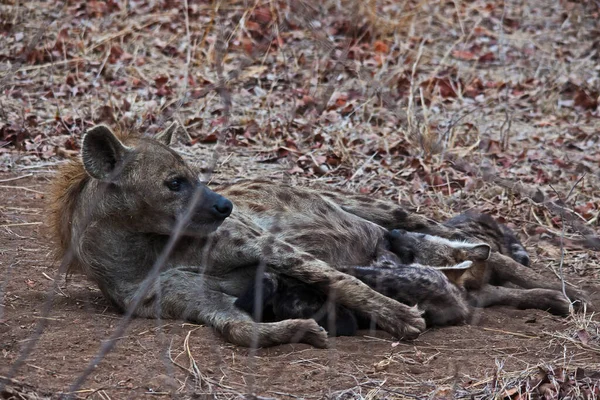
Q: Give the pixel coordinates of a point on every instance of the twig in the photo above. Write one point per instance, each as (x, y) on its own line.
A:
(562, 235)
(15, 178)
(21, 224)
(511, 333)
(21, 188)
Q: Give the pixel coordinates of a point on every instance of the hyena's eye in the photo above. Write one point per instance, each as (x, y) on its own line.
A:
(176, 184)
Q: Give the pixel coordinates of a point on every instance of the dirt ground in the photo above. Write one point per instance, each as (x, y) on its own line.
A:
(492, 354)
(442, 106)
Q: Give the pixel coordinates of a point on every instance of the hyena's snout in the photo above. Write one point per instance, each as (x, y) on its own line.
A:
(214, 206)
(221, 207)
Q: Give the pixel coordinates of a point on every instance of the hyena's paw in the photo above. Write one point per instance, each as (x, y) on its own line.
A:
(400, 320)
(555, 301)
(545, 299)
(311, 333)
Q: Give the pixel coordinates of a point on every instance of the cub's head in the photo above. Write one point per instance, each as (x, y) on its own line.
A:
(435, 251)
(149, 185)
(454, 258)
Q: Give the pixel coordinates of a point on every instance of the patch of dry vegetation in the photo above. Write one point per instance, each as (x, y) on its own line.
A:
(444, 106)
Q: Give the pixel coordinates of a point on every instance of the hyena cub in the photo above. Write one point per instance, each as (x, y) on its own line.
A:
(486, 229)
(279, 297)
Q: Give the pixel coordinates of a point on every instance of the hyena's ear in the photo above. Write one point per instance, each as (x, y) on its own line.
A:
(102, 152)
(166, 136)
(479, 251)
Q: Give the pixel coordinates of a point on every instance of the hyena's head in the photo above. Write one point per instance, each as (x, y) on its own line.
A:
(149, 185)
(420, 248)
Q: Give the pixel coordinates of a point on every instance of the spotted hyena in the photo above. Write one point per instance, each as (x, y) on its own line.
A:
(132, 205)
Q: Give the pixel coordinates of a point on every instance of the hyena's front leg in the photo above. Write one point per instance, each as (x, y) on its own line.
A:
(188, 295)
(398, 319)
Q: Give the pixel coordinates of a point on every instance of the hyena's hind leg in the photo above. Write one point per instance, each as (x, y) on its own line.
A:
(442, 302)
(506, 270)
(388, 214)
(541, 299)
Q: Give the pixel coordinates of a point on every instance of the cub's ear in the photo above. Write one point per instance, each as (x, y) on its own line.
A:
(166, 136)
(454, 273)
(460, 266)
(479, 251)
(102, 152)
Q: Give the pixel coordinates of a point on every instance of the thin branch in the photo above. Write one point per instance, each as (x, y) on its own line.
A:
(562, 235)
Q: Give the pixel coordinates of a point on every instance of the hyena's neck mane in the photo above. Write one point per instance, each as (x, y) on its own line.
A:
(66, 188)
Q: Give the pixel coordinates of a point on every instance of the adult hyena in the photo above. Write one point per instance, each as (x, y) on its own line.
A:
(114, 211)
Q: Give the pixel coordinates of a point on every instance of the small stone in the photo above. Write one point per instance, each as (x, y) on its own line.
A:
(163, 383)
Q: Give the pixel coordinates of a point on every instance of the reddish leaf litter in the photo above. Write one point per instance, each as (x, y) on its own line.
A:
(441, 106)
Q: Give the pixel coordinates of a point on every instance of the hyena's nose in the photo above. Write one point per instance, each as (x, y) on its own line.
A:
(222, 208)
